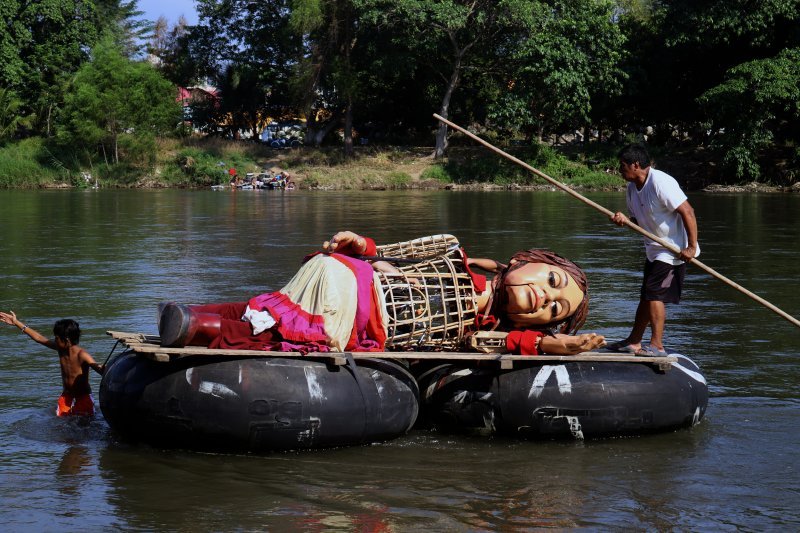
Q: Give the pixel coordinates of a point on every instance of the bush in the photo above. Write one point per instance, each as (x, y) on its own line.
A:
(437, 173)
(193, 166)
(137, 150)
(398, 180)
(741, 160)
(470, 168)
(28, 163)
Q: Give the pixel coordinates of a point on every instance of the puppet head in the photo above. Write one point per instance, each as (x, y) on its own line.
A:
(541, 290)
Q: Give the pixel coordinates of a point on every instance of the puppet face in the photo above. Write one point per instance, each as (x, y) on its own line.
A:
(538, 293)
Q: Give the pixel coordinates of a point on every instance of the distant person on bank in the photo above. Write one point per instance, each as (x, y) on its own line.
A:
(657, 204)
(76, 396)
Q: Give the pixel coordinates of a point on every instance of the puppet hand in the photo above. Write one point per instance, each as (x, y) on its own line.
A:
(345, 242)
(585, 342)
(571, 344)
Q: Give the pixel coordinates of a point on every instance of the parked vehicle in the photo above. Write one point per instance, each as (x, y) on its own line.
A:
(286, 135)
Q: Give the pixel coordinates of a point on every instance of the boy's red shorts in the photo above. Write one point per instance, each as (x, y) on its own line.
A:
(68, 405)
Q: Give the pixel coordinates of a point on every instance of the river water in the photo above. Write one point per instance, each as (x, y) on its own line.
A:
(106, 258)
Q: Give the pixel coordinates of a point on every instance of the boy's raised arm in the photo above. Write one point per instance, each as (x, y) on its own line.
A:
(10, 318)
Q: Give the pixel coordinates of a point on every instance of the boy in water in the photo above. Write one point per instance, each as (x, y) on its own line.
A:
(76, 398)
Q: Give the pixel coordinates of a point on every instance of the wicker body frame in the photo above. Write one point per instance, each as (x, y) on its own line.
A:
(431, 304)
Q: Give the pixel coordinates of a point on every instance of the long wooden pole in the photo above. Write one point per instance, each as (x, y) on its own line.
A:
(631, 225)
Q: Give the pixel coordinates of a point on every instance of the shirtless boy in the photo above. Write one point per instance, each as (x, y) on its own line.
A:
(76, 398)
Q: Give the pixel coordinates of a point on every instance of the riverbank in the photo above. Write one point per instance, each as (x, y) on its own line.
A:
(205, 162)
(200, 163)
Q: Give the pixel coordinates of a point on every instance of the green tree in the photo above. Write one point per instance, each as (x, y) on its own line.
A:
(43, 43)
(454, 38)
(326, 75)
(757, 105)
(10, 117)
(244, 100)
(682, 48)
(114, 102)
(122, 19)
(568, 57)
(250, 41)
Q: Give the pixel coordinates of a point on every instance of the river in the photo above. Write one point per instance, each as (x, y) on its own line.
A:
(106, 258)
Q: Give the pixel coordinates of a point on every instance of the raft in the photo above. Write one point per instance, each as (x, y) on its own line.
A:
(568, 398)
(258, 401)
(198, 399)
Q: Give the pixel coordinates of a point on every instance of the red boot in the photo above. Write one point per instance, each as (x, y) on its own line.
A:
(180, 325)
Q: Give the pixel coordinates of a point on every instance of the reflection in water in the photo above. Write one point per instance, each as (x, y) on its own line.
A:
(73, 461)
(152, 489)
(68, 475)
(418, 482)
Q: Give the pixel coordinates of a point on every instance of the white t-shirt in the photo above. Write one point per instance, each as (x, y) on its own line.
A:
(654, 209)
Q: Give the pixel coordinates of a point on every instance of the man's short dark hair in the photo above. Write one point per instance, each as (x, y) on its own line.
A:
(67, 329)
(635, 153)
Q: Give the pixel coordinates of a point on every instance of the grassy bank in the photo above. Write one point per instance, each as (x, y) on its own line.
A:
(204, 162)
(29, 164)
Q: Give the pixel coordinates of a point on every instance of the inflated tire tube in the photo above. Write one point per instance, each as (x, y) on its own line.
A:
(574, 399)
(257, 404)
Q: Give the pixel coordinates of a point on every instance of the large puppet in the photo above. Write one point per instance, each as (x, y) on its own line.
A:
(416, 295)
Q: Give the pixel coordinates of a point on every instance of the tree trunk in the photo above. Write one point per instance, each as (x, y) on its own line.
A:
(311, 128)
(348, 129)
(348, 45)
(441, 134)
(322, 132)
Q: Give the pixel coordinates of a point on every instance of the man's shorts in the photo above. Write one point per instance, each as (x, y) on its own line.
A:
(662, 282)
(69, 405)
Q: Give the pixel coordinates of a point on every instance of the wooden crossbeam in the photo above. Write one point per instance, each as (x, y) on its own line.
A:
(148, 345)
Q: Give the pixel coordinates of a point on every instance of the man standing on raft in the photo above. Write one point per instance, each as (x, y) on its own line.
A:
(657, 204)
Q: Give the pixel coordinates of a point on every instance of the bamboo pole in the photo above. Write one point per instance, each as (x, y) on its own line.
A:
(631, 225)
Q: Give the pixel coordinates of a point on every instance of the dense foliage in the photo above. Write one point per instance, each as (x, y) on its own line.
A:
(720, 75)
(118, 106)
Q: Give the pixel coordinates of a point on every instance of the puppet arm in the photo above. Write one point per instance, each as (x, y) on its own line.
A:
(487, 265)
(561, 344)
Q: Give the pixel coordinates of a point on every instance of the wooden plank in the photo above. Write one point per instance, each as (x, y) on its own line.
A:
(148, 344)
